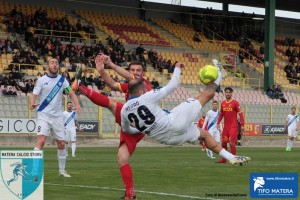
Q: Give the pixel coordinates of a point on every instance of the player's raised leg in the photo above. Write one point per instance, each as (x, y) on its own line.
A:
(217, 148)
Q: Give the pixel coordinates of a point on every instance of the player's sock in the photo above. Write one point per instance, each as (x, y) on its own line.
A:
(291, 144)
(225, 154)
(61, 155)
(219, 79)
(95, 97)
(73, 148)
(127, 177)
(288, 144)
(233, 148)
(67, 149)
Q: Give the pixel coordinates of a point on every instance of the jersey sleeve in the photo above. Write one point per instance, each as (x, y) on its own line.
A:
(240, 112)
(158, 94)
(221, 114)
(38, 87)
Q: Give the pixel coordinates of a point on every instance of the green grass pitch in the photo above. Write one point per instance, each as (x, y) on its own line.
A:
(167, 173)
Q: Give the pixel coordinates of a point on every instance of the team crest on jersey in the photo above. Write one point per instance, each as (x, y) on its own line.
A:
(22, 174)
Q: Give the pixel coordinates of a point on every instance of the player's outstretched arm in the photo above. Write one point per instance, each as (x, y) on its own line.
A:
(120, 70)
(75, 100)
(100, 68)
(173, 83)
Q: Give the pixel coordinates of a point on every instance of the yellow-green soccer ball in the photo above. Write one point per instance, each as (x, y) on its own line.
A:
(208, 74)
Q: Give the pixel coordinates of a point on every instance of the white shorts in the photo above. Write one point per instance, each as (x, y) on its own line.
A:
(70, 134)
(56, 124)
(215, 134)
(292, 133)
(183, 117)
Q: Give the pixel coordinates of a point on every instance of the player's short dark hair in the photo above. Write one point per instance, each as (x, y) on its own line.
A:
(229, 88)
(214, 101)
(69, 102)
(52, 58)
(136, 63)
(293, 107)
(135, 85)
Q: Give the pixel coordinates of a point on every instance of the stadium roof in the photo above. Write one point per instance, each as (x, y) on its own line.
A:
(288, 5)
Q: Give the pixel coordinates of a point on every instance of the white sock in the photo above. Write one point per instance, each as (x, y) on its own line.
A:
(67, 148)
(61, 155)
(219, 79)
(291, 144)
(225, 154)
(73, 148)
(288, 143)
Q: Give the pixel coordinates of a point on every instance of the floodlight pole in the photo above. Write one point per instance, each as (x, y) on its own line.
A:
(269, 43)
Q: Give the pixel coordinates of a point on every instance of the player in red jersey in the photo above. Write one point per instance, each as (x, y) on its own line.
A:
(200, 124)
(128, 142)
(229, 110)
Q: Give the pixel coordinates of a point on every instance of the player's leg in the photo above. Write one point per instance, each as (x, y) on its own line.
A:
(210, 89)
(60, 137)
(209, 153)
(43, 127)
(94, 96)
(217, 148)
(233, 134)
(126, 149)
(73, 142)
(67, 143)
(123, 158)
(225, 140)
(291, 136)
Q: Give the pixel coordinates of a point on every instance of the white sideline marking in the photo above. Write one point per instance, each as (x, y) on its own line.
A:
(139, 191)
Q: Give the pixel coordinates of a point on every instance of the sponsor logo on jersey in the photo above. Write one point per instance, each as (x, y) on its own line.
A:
(227, 109)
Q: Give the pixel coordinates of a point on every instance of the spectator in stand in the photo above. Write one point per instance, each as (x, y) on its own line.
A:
(10, 92)
(39, 75)
(5, 80)
(116, 78)
(152, 55)
(196, 37)
(270, 92)
(288, 52)
(15, 74)
(106, 90)
(140, 54)
(155, 83)
(29, 86)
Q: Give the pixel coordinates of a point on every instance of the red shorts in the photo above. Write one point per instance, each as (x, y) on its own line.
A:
(129, 139)
(229, 134)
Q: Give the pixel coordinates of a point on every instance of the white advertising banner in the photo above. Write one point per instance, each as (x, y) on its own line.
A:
(17, 125)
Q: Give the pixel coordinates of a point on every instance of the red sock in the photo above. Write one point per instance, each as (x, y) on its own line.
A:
(127, 177)
(95, 97)
(224, 145)
(233, 148)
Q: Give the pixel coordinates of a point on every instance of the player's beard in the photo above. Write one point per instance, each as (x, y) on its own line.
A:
(53, 72)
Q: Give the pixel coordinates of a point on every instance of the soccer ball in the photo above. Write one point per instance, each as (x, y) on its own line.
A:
(208, 74)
